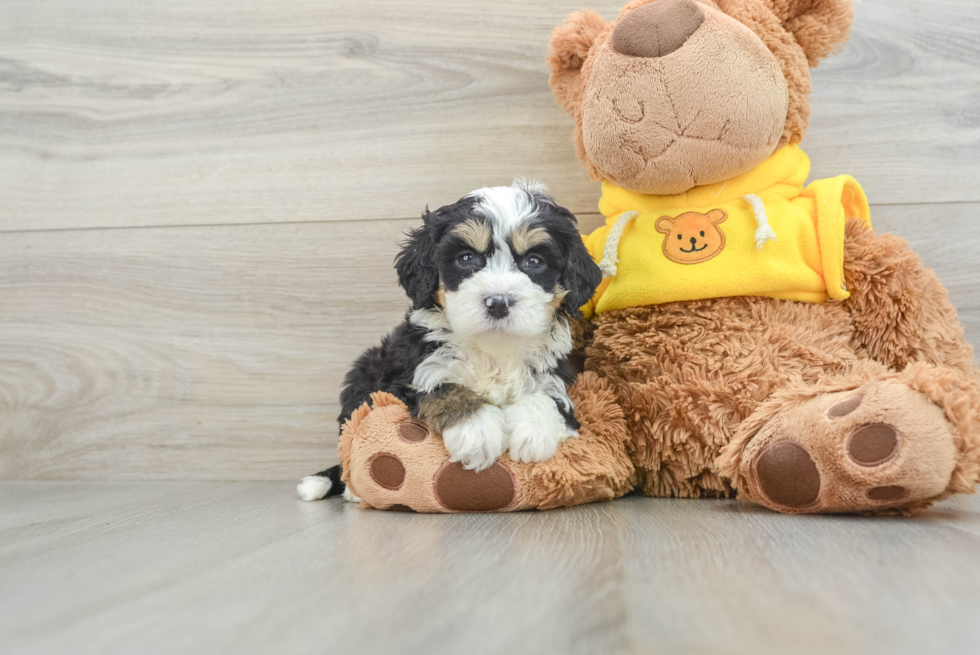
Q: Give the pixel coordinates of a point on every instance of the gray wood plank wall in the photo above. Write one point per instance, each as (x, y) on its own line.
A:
(200, 201)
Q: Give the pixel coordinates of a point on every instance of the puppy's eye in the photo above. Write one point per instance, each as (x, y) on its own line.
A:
(533, 264)
(469, 259)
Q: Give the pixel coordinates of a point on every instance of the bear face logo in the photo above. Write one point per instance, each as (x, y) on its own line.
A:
(693, 238)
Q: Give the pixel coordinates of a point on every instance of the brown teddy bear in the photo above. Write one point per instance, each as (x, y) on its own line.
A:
(753, 333)
(801, 359)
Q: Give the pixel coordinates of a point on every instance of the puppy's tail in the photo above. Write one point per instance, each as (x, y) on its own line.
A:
(322, 484)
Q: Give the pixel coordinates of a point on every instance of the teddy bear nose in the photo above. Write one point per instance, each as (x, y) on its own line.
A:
(658, 28)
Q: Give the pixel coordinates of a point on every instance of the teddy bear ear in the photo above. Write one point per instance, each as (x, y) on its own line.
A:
(569, 48)
(819, 26)
(664, 224)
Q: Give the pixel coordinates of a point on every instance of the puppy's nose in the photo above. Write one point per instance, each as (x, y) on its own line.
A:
(657, 29)
(498, 306)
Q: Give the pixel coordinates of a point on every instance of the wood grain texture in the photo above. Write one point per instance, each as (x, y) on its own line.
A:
(114, 113)
(245, 567)
(210, 352)
(217, 352)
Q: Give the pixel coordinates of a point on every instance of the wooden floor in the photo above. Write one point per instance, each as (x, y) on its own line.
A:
(200, 201)
(243, 567)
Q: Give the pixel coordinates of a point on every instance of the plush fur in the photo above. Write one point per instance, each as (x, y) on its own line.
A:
(594, 467)
(699, 381)
(494, 281)
(867, 405)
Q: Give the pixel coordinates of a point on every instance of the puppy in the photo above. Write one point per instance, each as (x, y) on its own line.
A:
(482, 356)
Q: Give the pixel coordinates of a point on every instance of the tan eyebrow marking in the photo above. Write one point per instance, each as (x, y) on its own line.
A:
(475, 233)
(524, 238)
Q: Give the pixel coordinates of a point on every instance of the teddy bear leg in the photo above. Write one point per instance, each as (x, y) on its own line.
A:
(900, 310)
(872, 441)
(393, 461)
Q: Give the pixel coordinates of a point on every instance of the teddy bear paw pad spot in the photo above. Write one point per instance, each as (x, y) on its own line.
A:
(388, 471)
(886, 494)
(844, 408)
(873, 445)
(412, 432)
(787, 475)
(468, 491)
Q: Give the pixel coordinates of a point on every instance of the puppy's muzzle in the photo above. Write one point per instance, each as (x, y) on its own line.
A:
(498, 306)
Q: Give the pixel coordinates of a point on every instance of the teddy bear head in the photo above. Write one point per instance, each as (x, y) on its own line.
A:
(675, 94)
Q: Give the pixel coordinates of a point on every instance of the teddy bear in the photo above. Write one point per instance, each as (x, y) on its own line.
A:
(753, 335)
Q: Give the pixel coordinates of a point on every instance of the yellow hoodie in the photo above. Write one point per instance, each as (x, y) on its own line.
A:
(758, 234)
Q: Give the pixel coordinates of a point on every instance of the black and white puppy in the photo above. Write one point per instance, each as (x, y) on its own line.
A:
(482, 355)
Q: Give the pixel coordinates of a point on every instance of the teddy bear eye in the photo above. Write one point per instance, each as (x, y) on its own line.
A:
(702, 232)
(680, 236)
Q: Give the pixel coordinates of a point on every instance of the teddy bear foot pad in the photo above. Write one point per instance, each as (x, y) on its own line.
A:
(409, 472)
(877, 447)
(393, 461)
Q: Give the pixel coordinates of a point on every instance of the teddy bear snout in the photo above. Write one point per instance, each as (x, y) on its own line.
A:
(658, 28)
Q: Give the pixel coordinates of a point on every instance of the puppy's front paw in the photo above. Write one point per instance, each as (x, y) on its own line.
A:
(477, 441)
(535, 427)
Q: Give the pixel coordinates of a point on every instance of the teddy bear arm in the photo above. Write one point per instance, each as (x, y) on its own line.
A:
(900, 310)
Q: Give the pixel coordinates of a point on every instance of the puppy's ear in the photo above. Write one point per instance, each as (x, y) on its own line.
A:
(569, 48)
(418, 273)
(819, 26)
(581, 276)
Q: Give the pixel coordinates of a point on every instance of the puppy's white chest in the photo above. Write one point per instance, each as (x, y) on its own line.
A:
(501, 381)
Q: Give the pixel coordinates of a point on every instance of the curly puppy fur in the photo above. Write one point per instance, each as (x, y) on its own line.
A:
(482, 355)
